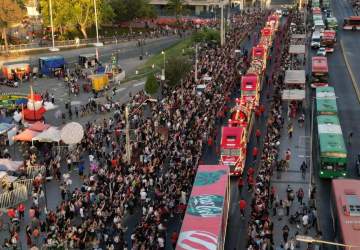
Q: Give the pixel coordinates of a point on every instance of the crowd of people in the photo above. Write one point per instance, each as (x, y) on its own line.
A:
(265, 196)
(157, 179)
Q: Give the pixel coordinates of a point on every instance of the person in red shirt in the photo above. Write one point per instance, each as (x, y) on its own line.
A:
(262, 109)
(21, 210)
(257, 113)
(251, 183)
(174, 238)
(242, 205)
(240, 184)
(251, 172)
(255, 153)
(210, 142)
(258, 135)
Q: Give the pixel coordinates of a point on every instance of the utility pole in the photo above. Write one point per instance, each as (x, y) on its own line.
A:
(222, 25)
(127, 134)
(196, 63)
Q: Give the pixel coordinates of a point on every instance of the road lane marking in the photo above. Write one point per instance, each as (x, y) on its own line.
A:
(139, 84)
(119, 90)
(353, 80)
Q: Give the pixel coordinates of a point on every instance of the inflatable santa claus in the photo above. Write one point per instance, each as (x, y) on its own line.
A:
(34, 110)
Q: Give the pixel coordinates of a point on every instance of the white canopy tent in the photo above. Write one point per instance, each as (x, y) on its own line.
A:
(295, 77)
(298, 36)
(293, 94)
(297, 49)
(52, 134)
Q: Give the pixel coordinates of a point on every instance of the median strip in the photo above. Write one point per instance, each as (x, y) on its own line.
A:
(350, 72)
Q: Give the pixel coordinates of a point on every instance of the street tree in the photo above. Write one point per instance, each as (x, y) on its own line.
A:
(176, 69)
(129, 10)
(177, 7)
(151, 85)
(10, 14)
(77, 14)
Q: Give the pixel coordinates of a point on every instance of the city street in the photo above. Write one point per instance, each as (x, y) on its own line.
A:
(348, 109)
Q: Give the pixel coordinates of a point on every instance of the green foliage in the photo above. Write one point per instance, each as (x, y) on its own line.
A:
(206, 35)
(176, 69)
(177, 7)
(76, 14)
(151, 85)
(127, 10)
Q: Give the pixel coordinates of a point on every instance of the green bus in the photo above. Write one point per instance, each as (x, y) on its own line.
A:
(326, 101)
(315, 3)
(332, 149)
(331, 23)
(326, 4)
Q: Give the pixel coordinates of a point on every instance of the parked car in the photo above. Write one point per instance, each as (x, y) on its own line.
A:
(321, 52)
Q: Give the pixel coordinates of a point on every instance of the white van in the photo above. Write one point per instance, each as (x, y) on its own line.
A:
(315, 39)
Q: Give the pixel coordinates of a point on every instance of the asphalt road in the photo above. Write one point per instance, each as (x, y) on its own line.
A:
(126, 50)
(348, 109)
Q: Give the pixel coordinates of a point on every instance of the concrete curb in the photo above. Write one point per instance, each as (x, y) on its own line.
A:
(353, 80)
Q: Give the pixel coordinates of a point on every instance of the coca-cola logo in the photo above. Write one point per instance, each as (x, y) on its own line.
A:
(205, 205)
(207, 178)
(200, 240)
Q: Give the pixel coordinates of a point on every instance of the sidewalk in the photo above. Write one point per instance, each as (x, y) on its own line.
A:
(299, 146)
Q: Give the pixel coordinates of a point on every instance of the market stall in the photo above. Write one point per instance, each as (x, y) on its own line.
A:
(99, 82)
(52, 134)
(18, 71)
(51, 65)
(295, 78)
(27, 135)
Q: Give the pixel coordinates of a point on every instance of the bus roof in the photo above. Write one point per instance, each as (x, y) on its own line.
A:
(266, 32)
(347, 195)
(258, 51)
(203, 221)
(331, 138)
(249, 82)
(231, 136)
(354, 18)
(325, 92)
(326, 106)
(329, 34)
(319, 64)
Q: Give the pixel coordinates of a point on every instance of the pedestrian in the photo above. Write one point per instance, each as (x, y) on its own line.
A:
(350, 136)
(242, 205)
(305, 222)
(272, 195)
(255, 153)
(287, 205)
(300, 195)
(240, 184)
(81, 169)
(174, 238)
(251, 183)
(303, 168)
(287, 158)
(52, 98)
(301, 120)
(290, 130)
(21, 210)
(258, 134)
(285, 231)
(76, 112)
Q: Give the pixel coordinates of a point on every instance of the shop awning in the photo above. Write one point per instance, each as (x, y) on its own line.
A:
(293, 94)
(297, 49)
(4, 127)
(295, 77)
(52, 134)
(39, 126)
(26, 135)
(9, 165)
(298, 36)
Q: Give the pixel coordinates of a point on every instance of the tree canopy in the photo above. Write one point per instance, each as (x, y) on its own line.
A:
(11, 13)
(76, 14)
(127, 10)
(177, 7)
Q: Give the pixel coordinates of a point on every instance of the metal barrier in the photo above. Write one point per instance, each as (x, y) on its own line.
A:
(28, 183)
(12, 198)
(33, 171)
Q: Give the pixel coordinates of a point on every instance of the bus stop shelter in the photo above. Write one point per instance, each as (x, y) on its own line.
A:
(295, 78)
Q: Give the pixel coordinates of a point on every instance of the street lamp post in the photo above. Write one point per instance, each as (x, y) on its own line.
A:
(53, 48)
(98, 43)
(163, 70)
(196, 63)
(309, 239)
(222, 25)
